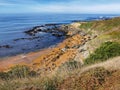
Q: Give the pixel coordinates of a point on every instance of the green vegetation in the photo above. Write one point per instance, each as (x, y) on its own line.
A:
(103, 25)
(51, 84)
(114, 34)
(105, 51)
(86, 25)
(17, 72)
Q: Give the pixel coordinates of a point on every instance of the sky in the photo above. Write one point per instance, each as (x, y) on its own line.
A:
(60, 6)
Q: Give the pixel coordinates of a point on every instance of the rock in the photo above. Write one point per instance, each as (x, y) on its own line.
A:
(57, 34)
(63, 49)
(5, 46)
(34, 30)
(26, 38)
(55, 31)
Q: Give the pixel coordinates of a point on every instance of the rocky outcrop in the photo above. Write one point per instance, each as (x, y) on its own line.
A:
(61, 53)
(72, 48)
(47, 28)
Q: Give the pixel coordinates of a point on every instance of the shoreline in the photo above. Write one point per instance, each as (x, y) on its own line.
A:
(35, 39)
(49, 58)
(32, 42)
(30, 58)
(21, 59)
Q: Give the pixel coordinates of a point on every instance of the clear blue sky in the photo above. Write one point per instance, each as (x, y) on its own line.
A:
(60, 6)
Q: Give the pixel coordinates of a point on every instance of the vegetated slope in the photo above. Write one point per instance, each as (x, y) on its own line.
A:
(105, 51)
(105, 30)
(94, 79)
(105, 46)
(102, 26)
(101, 76)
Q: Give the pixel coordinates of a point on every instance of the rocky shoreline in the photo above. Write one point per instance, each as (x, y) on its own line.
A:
(72, 47)
(48, 35)
(47, 28)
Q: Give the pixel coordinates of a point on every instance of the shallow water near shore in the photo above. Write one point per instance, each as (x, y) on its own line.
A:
(14, 41)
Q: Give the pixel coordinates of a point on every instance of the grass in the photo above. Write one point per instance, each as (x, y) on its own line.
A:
(86, 25)
(19, 77)
(18, 71)
(105, 51)
(70, 65)
(69, 79)
(94, 79)
(114, 34)
(102, 26)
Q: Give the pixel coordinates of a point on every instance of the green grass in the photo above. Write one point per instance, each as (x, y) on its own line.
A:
(105, 51)
(102, 26)
(114, 34)
(86, 25)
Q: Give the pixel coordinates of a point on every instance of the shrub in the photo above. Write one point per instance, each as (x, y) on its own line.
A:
(105, 51)
(50, 85)
(4, 75)
(18, 71)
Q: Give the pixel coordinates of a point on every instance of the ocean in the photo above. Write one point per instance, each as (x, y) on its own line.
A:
(12, 26)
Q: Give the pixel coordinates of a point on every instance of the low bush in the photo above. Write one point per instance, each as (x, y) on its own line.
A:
(105, 51)
(50, 84)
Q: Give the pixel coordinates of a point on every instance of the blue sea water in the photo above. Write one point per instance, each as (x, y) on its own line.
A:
(12, 27)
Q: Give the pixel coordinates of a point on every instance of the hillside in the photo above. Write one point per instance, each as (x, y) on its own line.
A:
(88, 59)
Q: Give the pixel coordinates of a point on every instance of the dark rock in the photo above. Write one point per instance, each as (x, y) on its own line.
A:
(23, 49)
(58, 34)
(26, 38)
(54, 30)
(37, 45)
(5, 46)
